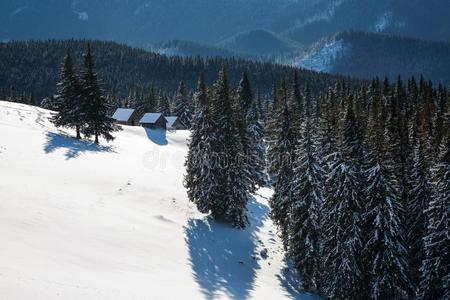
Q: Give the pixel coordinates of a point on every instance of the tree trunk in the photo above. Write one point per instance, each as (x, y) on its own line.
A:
(96, 138)
(78, 132)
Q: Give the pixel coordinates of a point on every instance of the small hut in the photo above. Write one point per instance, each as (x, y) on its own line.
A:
(153, 121)
(174, 123)
(126, 116)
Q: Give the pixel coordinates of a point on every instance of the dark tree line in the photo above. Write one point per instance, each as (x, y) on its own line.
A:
(362, 189)
(80, 103)
(33, 67)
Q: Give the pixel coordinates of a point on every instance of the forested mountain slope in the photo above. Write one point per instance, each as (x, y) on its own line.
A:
(34, 67)
(366, 55)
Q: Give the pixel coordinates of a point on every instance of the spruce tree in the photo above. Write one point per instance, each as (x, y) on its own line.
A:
(343, 225)
(245, 94)
(255, 130)
(250, 140)
(95, 106)
(68, 102)
(283, 153)
(182, 105)
(271, 133)
(307, 199)
(435, 271)
(232, 192)
(418, 201)
(200, 180)
(163, 106)
(385, 251)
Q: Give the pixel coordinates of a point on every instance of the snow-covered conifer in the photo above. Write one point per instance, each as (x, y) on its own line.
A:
(95, 107)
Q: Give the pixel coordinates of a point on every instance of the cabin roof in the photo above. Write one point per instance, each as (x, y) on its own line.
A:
(123, 114)
(171, 120)
(150, 118)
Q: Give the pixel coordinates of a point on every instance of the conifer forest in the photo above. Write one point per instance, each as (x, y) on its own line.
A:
(300, 152)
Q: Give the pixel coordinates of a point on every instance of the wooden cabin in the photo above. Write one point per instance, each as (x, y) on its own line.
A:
(153, 121)
(174, 123)
(126, 116)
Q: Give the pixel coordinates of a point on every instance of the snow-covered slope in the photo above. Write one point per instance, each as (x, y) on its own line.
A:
(80, 221)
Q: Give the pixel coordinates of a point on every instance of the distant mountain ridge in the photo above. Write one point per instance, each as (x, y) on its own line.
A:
(365, 55)
(140, 22)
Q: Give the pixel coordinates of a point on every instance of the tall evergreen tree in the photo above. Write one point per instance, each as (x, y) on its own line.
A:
(183, 106)
(435, 271)
(385, 250)
(232, 193)
(245, 94)
(162, 105)
(419, 199)
(200, 180)
(95, 106)
(250, 140)
(307, 200)
(68, 102)
(283, 153)
(343, 241)
(255, 130)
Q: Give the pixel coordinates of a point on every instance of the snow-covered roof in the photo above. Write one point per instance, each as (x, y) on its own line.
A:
(150, 118)
(171, 120)
(123, 114)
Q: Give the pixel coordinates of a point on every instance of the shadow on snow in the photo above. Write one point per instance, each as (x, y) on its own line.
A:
(224, 259)
(290, 281)
(157, 136)
(73, 146)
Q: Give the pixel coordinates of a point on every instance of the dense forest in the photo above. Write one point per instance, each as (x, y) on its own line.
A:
(361, 179)
(361, 173)
(33, 67)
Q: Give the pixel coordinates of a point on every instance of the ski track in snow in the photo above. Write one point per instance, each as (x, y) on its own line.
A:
(86, 221)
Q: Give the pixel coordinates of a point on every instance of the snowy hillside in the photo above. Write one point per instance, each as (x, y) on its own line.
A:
(80, 221)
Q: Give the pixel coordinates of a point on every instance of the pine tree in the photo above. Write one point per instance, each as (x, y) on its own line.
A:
(255, 130)
(296, 105)
(385, 251)
(245, 94)
(68, 102)
(199, 179)
(271, 133)
(307, 200)
(283, 153)
(232, 192)
(163, 106)
(95, 106)
(250, 140)
(343, 240)
(182, 105)
(435, 271)
(418, 201)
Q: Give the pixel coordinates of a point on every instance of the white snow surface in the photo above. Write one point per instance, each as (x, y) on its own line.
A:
(81, 221)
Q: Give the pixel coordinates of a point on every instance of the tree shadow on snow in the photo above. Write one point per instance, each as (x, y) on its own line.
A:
(225, 259)
(291, 283)
(73, 146)
(157, 136)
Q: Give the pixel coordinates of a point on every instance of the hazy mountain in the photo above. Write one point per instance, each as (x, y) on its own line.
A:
(189, 48)
(366, 55)
(412, 18)
(212, 21)
(140, 21)
(259, 42)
